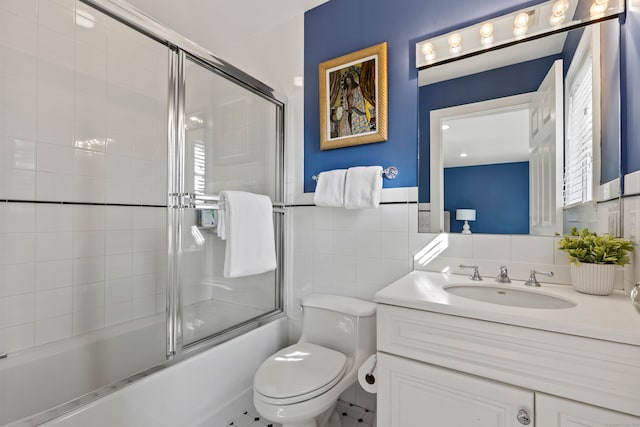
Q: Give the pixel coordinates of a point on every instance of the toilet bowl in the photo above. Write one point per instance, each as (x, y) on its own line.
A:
(299, 386)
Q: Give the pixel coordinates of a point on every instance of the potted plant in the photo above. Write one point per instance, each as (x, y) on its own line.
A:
(594, 259)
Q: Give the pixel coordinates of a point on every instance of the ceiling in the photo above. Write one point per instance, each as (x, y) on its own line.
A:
(217, 24)
(492, 137)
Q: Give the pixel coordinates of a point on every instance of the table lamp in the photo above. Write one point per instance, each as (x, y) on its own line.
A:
(466, 215)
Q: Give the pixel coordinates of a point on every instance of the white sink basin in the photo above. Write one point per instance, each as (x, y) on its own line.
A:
(507, 296)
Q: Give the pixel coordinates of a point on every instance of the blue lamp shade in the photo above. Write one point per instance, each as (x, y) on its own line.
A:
(465, 214)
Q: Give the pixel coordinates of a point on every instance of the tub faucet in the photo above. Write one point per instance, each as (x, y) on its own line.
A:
(503, 275)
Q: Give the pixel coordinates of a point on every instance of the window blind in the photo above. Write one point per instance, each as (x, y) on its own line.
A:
(578, 170)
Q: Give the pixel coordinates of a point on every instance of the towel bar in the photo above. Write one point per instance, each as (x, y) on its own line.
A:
(390, 173)
(200, 201)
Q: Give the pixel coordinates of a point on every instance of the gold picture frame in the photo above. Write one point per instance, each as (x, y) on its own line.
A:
(353, 98)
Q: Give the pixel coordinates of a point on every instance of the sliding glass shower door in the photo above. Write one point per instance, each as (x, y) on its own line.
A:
(229, 138)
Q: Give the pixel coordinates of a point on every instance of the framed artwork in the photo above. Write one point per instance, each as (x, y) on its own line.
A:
(353, 98)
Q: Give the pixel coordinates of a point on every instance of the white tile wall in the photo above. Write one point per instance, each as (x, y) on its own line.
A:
(82, 112)
(352, 253)
(82, 119)
(59, 277)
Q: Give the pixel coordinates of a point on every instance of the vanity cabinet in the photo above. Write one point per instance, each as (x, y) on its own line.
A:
(444, 370)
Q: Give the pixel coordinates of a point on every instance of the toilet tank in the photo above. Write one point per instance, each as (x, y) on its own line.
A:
(344, 324)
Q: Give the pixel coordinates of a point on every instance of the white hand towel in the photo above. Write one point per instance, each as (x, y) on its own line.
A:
(330, 188)
(221, 230)
(248, 226)
(362, 187)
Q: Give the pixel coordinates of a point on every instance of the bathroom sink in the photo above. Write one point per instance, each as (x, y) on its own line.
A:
(507, 296)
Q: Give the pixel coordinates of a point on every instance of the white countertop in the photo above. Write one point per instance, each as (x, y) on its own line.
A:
(610, 318)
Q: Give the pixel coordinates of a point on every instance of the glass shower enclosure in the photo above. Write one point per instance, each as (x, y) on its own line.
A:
(108, 240)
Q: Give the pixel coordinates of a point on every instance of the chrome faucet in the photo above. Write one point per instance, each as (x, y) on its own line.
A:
(503, 275)
(533, 281)
(475, 275)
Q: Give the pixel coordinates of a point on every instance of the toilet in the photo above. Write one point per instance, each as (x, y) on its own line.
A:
(299, 386)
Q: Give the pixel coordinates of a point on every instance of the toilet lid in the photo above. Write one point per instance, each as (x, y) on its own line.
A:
(298, 370)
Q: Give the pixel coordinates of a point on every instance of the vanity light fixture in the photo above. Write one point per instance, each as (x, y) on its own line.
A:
(455, 43)
(546, 18)
(428, 51)
(486, 34)
(598, 8)
(521, 24)
(559, 12)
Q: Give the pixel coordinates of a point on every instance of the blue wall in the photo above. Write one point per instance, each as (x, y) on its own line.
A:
(483, 188)
(512, 80)
(339, 27)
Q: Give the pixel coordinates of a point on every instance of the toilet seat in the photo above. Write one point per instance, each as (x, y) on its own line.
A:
(299, 372)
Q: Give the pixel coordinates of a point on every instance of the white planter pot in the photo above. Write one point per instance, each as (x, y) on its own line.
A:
(594, 279)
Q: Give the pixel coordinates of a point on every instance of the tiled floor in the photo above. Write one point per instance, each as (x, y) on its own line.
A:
(351, 416)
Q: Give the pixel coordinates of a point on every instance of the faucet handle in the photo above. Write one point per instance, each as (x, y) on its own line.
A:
(635, 297)
(533, 280)
(476, 274)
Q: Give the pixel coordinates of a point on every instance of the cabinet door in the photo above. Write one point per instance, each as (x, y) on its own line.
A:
(554, 411)
(414, 394)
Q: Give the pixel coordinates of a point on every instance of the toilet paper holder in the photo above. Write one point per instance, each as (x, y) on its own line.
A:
(369, 378)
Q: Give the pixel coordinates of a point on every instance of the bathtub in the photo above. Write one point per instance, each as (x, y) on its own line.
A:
(208, 388)
(37, 379)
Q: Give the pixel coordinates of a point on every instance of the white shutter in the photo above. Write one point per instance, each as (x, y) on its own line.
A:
(578, 173)
(199, 168)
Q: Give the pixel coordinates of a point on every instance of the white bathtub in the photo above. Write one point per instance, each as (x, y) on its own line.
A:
(206, 389)
(37, 379)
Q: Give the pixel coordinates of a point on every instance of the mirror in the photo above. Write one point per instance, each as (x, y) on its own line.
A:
(506, 138)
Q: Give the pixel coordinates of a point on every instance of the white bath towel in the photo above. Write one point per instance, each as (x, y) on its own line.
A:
(362, 187)
(330, 188)
(248, 230)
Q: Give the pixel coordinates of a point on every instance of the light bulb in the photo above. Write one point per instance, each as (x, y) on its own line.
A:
(455, 43)
(520, 24)
(559, 12)
(428, 51)
(598, 8)
(486, 34)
